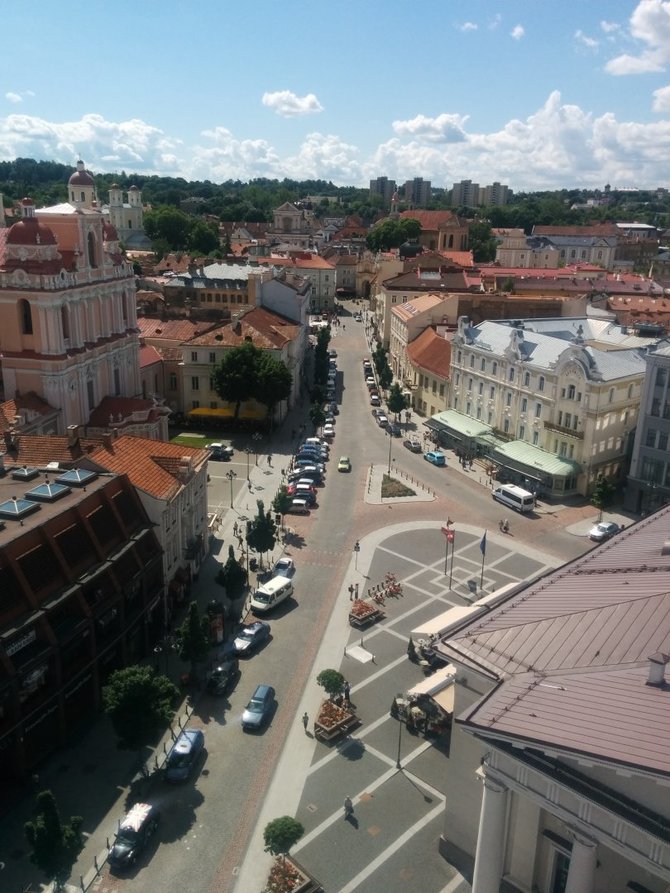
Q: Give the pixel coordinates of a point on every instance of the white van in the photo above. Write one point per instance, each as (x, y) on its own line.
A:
(516, 498)
(270, 594)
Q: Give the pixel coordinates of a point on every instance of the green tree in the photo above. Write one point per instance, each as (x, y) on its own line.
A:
(331, 681)
(321, 358)
(232, 576)
(385, 376)
(273, 382)
(602, 494)
(235, 376)
(281, 834)
(169, 224)
(316, 415)
(193, 637)
(261, 531)
(379, 357)
(54, 846)
(391, 233)
(203, 238)
(397, 401)
(482, 241)
(139, 703)
(282, 502)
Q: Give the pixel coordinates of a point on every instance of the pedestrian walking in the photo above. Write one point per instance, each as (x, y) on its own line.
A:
(305, 721)
(346, 691)
(348, 808)
(351, 592)
(270, 461)
(249, 486)
(235, 529)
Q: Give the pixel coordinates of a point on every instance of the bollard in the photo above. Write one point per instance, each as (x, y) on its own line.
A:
(95, 862)
(362, 646)
(345, 650)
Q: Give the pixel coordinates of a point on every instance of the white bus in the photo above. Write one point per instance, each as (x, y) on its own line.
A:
(516, 498)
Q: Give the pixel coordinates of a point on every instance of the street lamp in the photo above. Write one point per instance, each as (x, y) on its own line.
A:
(390, 435)
(357, 549)
(397, 762)
(248, 451)
(257, 437)
(231, 477)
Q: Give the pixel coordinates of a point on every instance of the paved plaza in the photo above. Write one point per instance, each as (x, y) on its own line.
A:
(392, 842)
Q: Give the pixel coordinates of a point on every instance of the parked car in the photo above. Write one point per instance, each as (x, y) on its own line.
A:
(334, 408)
(330, 419)
(332, 352)
(258, 710)
(303, 491)
(344, 464)
(603, 531)
(184, 754)
(370, 382)
(308, 473)
(374, 400)
(414, 446)
(283, 567)
(251, 637)
(436, 457)
(394, 428)
(305, 460)
(223, 677)
(135, 831)
(329, 431)
(382, 420)
(221, 452)
(298, 506)
(358, 317)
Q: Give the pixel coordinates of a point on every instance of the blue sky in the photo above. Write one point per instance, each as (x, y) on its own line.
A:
(538, 95)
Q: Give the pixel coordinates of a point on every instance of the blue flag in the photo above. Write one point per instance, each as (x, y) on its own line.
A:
(482, 545)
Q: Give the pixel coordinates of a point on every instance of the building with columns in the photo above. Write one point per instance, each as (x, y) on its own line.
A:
(68, 323)
(559, 766)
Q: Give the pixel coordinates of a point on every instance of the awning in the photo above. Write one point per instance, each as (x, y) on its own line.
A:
(445, 698)
(442, 622)
(459, 423)
(532, 460)
(436, 682)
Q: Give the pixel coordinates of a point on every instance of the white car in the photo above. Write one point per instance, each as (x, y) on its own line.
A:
(382, 420)
(603, 531)
(329, 430)
(284, 567)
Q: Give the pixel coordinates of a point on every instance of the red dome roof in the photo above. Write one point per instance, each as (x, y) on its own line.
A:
(29, 230)
(81, 176)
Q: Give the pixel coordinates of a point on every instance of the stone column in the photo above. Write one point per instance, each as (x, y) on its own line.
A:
(491, 838)
(582, 864)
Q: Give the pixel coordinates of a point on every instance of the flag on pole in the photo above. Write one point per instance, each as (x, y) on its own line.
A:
(482, 545)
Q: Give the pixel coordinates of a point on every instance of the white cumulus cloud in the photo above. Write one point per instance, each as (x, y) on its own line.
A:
(589, 43)
(517, 32)
(15, 98)
(288, 105)
(650, 28)
(609, 27)
(442, 129)
(467, 26)
(661, 101)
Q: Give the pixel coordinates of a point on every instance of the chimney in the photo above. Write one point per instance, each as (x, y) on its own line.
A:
(657, 664)
(72, 435)
(107, 440)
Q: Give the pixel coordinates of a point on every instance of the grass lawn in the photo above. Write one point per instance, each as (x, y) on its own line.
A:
(392, 488)
(200, 441)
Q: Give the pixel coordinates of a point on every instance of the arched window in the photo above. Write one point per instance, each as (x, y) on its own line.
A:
(26, 318)
(65, 322)
(92, 260)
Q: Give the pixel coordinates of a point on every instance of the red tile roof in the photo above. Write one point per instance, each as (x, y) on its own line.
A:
(266, 330)
(148, 356)
(178, 330)
(431, 352)
(117, 411)
(431, 220)
(151, 465)
(37, 450)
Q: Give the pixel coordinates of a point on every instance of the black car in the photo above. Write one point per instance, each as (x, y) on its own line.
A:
(250, 637)
(135, 832)
(223, 677)
(394, 428)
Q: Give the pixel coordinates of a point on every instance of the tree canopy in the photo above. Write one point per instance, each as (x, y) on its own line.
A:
(261, 530)
(281, 834)
(139, 703)
(397, 401)
(232, 575)
(391, 233)
(247, 372)
(54, 845)
(193, 636)
(331, 681)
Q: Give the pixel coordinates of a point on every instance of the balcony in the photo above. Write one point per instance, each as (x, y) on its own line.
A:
(561, 429)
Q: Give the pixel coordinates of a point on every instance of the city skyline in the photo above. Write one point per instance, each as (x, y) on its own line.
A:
(485, 91)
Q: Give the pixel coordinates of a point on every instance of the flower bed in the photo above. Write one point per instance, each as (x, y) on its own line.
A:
(363, 613)
(286, 876)
(333, 720)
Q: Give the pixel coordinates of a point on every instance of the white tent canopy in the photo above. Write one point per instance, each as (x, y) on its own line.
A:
(436, 682)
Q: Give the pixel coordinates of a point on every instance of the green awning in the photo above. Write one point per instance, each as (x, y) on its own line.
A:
(459, 422)
(525, 455)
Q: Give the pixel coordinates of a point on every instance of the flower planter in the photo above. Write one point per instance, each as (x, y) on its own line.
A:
(286, 876)
(333, 721)
(362, 614)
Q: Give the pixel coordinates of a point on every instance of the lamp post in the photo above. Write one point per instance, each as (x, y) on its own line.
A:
(231, 477)
(398, 764)
(257, 437)
(390, 436)
(248, 451)
(357, 549)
